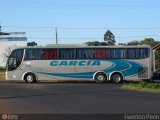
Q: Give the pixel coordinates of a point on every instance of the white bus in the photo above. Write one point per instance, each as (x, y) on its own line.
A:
(99, 63)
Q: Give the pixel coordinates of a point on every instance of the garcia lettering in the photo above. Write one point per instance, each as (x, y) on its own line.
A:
(75, 63)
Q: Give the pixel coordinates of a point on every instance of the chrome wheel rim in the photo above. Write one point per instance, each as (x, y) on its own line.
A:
(100, 78)
(116, 78)
(29, 78)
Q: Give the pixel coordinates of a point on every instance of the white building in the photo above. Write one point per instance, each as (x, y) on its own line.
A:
(9, 41)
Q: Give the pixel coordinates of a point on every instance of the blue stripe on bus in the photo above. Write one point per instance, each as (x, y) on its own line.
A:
(128, 68)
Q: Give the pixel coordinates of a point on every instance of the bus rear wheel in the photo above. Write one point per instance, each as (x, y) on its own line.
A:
(100, 78)
(30, 78)
(116, 78)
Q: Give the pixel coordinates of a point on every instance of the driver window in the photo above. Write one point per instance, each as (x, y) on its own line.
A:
(15, 59)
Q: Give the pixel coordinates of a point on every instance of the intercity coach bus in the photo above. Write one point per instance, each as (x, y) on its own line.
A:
(98, 63)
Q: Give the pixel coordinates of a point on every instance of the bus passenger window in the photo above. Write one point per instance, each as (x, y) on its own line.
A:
(131, 53)
(123, 53)
(138, 53)
(33, 54)
(84, 53)
(115, 53)
(67, 54)
(144, 53)
(49, 54)
(101, 53)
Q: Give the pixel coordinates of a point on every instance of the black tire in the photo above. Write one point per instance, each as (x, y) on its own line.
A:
(117, 78)
(100, 78)
(30, 78)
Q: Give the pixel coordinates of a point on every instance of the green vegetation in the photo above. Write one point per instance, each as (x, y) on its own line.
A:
(96, 43)
(143, 86)
(109, 40)
(109, 37)
(2, 73)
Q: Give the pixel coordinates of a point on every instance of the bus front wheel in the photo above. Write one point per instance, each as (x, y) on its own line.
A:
(30, 78)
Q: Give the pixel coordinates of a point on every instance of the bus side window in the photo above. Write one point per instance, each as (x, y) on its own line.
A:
(49, 54)
(33, 54)
(123, 53)
(131, 53)
(37, 54)
(115, 53)
(29, 54)
(88, 53)
(144, 53)
(79, 54)
(101, 53)
(67, 54)
(84, 53)
(119, 53)
(137, 53)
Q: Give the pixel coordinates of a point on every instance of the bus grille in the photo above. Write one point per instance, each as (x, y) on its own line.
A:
(143, 73)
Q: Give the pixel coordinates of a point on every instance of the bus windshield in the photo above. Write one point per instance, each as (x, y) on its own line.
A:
(15, 59)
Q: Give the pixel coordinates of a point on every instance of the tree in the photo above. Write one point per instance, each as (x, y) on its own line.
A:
(103, 44)
(124, 44)
(109, 37)
(133, 43)
(149, 41)
(96, 43)
(33, 43)
(146, 41)
(93, 43)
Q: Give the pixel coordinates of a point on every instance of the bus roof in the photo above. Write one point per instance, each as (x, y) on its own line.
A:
(41, 47)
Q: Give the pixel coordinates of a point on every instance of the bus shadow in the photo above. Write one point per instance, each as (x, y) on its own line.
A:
(71, 81)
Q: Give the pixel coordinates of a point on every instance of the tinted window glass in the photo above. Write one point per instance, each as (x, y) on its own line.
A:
(49, 54)
(33, 54)
(144, 53)
(15, 59)
(84, 53)
(101, 53)
(138, 53)
(67, 53)
(119, 53)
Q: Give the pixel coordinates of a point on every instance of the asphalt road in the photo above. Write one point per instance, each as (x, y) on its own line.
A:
(77, 98)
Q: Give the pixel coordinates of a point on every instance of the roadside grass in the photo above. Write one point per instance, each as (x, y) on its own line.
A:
(2, 74)
(143, 86)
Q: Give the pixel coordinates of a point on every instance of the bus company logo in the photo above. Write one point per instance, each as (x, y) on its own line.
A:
(75, 63)
(9, 117)
(4, 116)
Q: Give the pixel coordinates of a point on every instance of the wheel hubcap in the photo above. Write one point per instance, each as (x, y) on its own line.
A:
(116, 78)
(100, 77)
(29, 78)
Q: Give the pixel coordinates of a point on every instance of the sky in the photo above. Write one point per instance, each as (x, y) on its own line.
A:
(80, 21)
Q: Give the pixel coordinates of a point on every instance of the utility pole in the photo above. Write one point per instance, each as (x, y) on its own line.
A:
(56, 36)
(0, 27)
